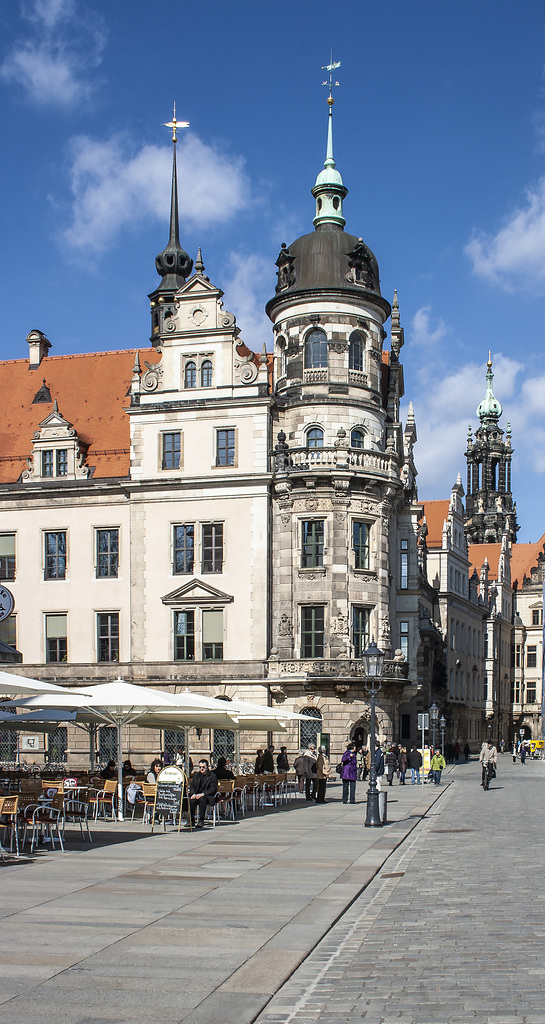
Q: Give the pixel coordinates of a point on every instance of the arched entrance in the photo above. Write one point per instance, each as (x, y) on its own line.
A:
(359, 733)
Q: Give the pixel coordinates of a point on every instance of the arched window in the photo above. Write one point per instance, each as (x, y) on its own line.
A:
(356, 351)
(356, 439)
(206, 374)
(190, 375)
(174, 743)
(107, 744)
(315, 437)
(309, 729)
(315, 350)
(224, 744)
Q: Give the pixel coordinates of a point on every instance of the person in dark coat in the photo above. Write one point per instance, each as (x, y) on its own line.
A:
(267, 764)
(282, 762)
(392, 764)
(403, 765)
(258, 762)
(221, 771)
(202, 791)
(415, 763)
(349, 773)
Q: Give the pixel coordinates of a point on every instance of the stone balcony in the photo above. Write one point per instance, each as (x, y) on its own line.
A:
(349, 670)
(340, 458)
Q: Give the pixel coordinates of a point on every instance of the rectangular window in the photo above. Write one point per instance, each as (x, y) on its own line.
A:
(56, 643)
(7, 556)
(404, 639)
(535, 616)
(212, 635)
(225, 447)
(360, 630)
(107, 554)
(184, 636)
(360, 543)
(312, 631)
(108, 636)
(55, 555)
(312, 543)
(531, 657)
(404, 565)
(518, 648)
(172, 446)
(405, 727)
(531, 693)
(183, 548)
(212, 547)
(62, 462)
(47, 463)
(8, 631)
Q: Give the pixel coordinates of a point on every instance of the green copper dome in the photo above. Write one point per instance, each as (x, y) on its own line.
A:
(489, 408)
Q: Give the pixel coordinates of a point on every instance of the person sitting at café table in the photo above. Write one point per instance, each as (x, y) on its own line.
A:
(202, 791)
(155, 768)
(110, 771)
(128, 768)
(221, 771)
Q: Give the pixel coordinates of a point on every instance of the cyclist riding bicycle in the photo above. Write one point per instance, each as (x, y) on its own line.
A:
(489, 759)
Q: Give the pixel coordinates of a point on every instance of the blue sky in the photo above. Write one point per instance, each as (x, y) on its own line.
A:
(439, 136)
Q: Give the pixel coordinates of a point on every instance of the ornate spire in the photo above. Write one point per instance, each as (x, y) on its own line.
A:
(489, 408)
(173, 264)
(329, 190)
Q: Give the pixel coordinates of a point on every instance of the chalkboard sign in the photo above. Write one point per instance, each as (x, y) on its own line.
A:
(169, 794)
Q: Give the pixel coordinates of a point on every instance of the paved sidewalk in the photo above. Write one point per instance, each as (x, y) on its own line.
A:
(451, 930)
(200, 928)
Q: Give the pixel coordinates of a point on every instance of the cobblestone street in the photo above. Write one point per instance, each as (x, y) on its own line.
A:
(452, 929)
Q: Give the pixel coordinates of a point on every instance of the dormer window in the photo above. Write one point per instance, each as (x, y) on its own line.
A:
(56, 451)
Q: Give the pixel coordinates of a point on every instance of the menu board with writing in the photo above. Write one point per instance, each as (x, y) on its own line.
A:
(169, 794)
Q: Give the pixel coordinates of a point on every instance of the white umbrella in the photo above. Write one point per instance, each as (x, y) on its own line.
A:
(35, 721)
(12, 683)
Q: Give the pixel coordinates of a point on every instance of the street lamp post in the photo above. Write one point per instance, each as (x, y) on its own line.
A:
(442, 726)
(434, 717)
(372, 659)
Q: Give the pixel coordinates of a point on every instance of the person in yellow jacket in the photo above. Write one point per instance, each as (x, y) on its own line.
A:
(323, 771)
(437, 764)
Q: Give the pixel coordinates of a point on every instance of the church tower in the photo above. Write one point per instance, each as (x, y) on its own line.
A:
(490, 511)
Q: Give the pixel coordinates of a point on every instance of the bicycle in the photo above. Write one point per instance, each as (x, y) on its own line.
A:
(488, 773)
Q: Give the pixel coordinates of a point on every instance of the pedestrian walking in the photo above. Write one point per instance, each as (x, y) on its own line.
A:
(403, 765)
(467, 752)
(267, 763)
(360, 758)
(349, 774)
(522, 753)
(309, 765)
(282, 762)
(391, 761)
(415, 763)
(258, 762)
(299, 769)
(323, 771)
(514, 752)
(437, 764)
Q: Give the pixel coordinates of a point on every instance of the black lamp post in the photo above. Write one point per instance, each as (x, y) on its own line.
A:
(372, 660)
(442, 726)
(434, 718)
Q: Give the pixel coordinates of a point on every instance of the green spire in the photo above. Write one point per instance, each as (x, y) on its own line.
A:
(329, 190)
(489, 408)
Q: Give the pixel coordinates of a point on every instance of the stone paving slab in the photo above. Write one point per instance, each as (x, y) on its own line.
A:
(196, 927)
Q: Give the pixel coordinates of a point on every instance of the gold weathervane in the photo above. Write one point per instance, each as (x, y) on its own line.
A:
(331, 67)
(174, 124)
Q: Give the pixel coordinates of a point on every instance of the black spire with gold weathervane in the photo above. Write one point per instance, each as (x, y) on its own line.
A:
(173, 263)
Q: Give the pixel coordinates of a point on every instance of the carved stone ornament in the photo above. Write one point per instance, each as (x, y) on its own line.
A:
(340, 517)
(368, 506)
(285, 627)
(314, 574)
(341, 689)
(285, 520)
(226, 319)
(278, 692)
(150, 379)
(197, 315)
(245, 368)
(338, 346)
(340, 625)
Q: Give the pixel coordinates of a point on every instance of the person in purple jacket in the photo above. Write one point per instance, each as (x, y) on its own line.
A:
(349, 773)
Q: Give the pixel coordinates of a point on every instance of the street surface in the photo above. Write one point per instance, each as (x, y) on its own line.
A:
(452, 929)
(297, 915)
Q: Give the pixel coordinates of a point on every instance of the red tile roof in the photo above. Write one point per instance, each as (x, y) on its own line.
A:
(91, 392)
(524, 558)
(477, 555)
(436, 512)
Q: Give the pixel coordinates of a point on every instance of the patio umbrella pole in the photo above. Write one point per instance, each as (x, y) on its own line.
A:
(237, 751)
(119, 773)
(186, 750)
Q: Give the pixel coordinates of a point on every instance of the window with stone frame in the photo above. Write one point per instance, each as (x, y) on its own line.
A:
(357, 438)
(404, 639)
(360, 544)
(107, 636)
(531, 656)
(404, 564)
(171, 444)
(212, 634)
(312, 543)
(48, 457)
(7, 556)
(8, 631)
(312, 631)
(56, 637)
(107, 554)
(309, 727)
(61, 461)
(183, 548)
(315, 350)
(212, 547)
(314, 438)
(360, 629)
(190, 375)
(356, 352)
(225, 446)
(206, 374)
(55, 555)
(184, 636)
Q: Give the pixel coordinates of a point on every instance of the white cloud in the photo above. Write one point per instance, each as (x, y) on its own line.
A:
(114, 190)
(423, 331)
(515, 255)
(50, 65)
(248, 285)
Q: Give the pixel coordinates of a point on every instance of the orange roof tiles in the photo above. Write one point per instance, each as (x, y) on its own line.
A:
(91, 392)
(478, 553)
(436, 512)
(524, 558)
